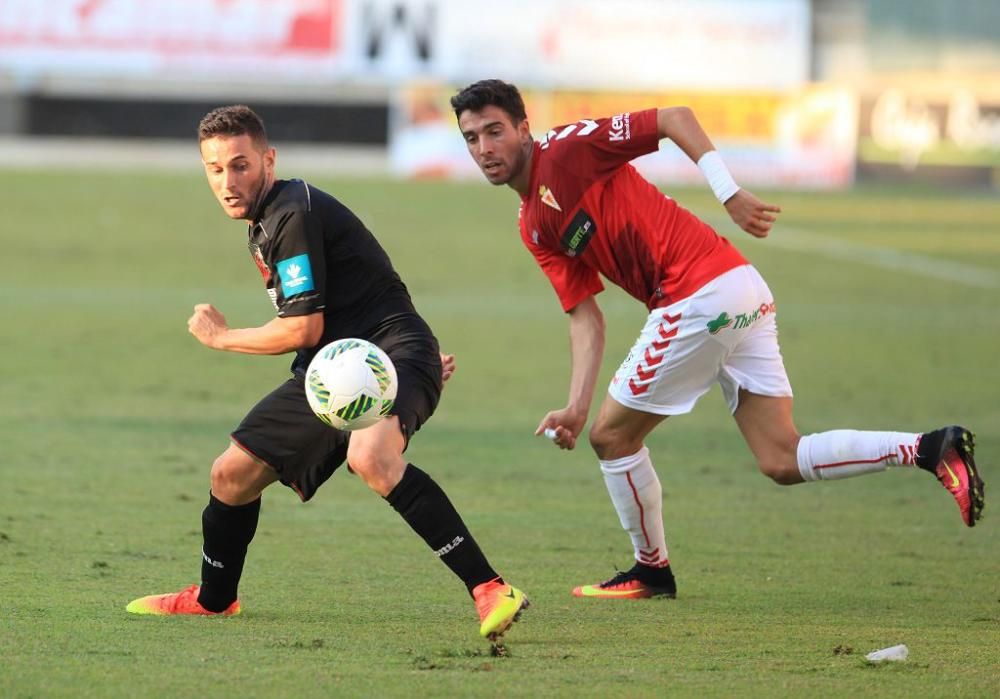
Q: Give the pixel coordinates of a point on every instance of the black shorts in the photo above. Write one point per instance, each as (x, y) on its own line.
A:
(282, 431)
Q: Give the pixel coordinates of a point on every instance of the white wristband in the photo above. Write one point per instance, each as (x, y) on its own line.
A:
(717, 174)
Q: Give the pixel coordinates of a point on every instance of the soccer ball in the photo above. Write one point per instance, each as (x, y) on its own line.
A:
(351, 384)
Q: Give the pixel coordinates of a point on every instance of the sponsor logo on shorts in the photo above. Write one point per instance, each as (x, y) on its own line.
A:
(723, 321)
(742, 320)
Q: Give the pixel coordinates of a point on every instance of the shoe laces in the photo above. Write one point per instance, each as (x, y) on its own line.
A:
(621, 577)
(183, 597)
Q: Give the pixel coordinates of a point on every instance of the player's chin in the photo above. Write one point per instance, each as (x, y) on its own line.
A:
(497, 177)
(236, 212)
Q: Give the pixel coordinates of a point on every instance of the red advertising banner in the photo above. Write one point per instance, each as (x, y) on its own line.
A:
(199, 38)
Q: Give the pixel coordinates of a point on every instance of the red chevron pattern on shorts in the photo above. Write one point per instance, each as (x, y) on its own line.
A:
(652, 357)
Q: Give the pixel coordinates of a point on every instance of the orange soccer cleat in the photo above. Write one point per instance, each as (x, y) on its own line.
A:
(499, 605)
(627, 585)
(183, 602)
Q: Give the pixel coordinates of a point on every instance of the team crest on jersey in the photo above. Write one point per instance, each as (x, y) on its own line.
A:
(578, 234)
(258, 260)
(548, 198)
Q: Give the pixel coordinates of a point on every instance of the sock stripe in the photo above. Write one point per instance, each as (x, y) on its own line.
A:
(856, 461)
(642, 513)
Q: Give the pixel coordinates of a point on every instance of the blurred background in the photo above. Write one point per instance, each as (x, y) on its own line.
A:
(815, 94)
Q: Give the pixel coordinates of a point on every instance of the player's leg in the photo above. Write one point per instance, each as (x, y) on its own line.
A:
(617, 437)
(229, 522)
(785, 457)
(756, 387)
(766, 424)
(671, 365)
(376, 455)
(278, 438)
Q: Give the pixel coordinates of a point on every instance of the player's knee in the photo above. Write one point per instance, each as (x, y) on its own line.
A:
(229, 478)
(379, 469)
(609, 443)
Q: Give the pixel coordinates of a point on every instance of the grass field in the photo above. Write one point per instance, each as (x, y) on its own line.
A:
(112, 415)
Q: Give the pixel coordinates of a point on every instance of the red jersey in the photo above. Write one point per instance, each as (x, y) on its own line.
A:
(589, 212)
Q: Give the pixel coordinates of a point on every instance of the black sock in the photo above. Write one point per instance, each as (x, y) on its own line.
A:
(657, 577)
(429, 512)
(929, 451)
(228, 531)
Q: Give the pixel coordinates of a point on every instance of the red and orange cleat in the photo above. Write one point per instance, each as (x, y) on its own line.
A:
(947, 453)
(627, 585)
(183, 602)
(499, 605)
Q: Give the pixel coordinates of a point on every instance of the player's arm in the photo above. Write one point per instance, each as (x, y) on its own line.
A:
(681, 126)
(278, 336)
(586, 336)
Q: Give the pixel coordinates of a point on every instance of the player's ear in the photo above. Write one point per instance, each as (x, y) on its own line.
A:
(524, 130)
(270, 155)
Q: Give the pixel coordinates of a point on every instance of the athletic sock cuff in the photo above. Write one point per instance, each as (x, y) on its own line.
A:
(625, 464)
(409, 488)
(224, 507)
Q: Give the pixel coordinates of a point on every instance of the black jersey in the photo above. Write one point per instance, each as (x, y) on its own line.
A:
(316, 255)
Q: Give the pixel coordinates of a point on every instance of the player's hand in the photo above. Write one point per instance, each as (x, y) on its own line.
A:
(562, 427)
(447, 366)
(207, 324)
(751, 214)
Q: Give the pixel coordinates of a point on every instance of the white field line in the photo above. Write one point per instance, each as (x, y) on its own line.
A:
(801, 240)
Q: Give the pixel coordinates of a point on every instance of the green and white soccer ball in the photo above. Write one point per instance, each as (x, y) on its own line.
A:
(351, 384)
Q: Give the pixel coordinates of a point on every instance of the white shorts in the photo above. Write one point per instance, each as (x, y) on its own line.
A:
(725, 332)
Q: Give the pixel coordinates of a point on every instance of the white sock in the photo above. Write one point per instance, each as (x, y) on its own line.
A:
(637, 496)
(836, 454)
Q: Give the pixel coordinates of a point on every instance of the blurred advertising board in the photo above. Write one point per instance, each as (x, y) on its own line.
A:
(800, 139)
(950, 134)
(181, 39)
(642, 44)
(597, 44)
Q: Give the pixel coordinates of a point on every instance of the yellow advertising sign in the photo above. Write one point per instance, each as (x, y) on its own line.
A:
(806, 138)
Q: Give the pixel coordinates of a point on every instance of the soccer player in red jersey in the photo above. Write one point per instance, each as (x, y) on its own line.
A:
(586, 213)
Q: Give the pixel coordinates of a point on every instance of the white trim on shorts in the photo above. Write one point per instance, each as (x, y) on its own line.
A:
(724, 333)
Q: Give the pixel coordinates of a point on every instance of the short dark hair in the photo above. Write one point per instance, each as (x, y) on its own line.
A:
(493, 92)
(234, 120)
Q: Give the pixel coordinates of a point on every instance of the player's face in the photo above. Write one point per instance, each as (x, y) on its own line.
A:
(238, 171)
(499, 148)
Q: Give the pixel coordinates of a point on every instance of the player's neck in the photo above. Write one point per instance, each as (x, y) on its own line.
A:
(265, 189)
(521, 182)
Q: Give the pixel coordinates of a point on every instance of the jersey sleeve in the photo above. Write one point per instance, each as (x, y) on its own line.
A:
(298, 265)
(603, 145)
(572, 280)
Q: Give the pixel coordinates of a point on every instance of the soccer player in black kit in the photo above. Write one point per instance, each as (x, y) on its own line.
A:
(328, 278)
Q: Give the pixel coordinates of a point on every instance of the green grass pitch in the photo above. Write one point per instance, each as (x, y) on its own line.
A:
(112, 415)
